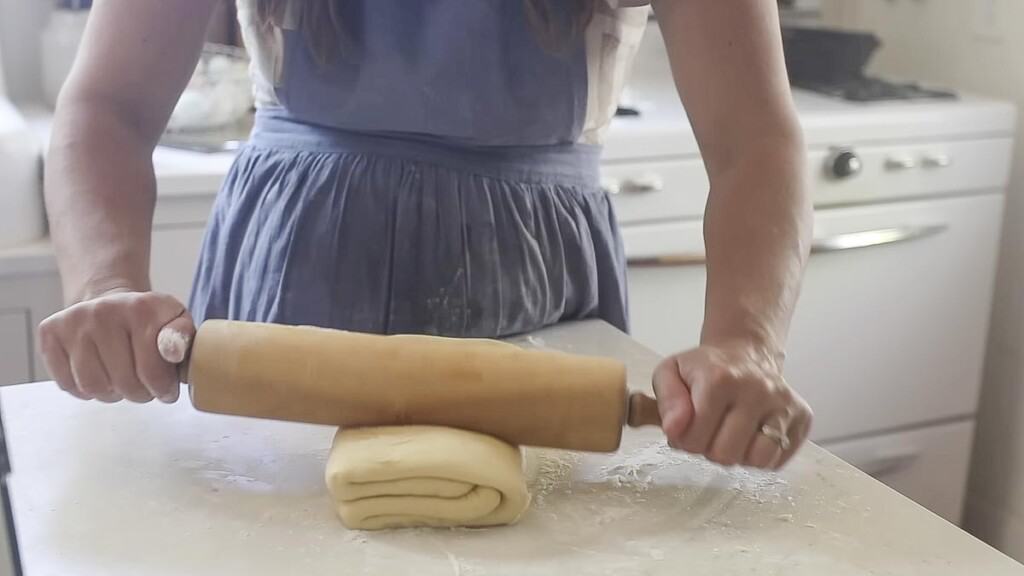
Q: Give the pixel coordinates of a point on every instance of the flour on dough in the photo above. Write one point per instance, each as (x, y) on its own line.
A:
(406, 476)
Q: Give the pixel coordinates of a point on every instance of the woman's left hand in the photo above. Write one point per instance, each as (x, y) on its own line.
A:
(730, 403)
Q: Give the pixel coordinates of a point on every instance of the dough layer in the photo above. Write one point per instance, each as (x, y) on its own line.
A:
(406, 476)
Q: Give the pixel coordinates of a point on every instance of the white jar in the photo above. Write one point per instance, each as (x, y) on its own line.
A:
(22, 219)
(60, 40)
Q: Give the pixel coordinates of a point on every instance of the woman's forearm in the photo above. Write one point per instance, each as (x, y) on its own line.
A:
(100, 193)
(757, 232)
(728, 64)
(134, 61)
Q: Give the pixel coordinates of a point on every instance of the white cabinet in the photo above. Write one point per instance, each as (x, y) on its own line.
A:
(179, 224)
(657, 190)
(25, 300)
(928, 465)
(663, 313)
(30, 288)
(173, 259)
(15, 354)
(666, 278)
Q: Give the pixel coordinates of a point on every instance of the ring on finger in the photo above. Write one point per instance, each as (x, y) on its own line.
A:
(777, 435)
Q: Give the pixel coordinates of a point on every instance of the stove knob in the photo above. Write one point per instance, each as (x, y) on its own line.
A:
(844, 164)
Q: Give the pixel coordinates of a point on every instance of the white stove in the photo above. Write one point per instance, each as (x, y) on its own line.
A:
(888, 340)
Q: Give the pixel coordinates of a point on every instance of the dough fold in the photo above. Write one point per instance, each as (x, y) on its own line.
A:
(406, 476)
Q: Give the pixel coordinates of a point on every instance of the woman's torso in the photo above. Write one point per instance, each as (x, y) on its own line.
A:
(439, 177)
(471, 73)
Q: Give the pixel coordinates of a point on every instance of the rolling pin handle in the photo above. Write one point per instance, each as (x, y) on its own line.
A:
(643, 411)
(175, 347)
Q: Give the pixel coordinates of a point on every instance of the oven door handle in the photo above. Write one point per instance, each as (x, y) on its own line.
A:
(877, 237)
(836, 243)
(668, 260)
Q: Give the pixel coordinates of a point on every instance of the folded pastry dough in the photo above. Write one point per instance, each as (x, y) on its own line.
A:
(405, 476)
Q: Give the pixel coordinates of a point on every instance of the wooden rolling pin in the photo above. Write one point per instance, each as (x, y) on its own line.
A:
(303, 374)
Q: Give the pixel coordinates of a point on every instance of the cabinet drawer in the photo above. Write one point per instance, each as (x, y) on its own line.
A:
(646, 191)
(927, 465)
(14, 342)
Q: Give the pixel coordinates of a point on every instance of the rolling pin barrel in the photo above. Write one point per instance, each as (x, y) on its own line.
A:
(304, 374)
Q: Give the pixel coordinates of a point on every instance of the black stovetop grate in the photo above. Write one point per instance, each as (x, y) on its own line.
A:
(868, 89)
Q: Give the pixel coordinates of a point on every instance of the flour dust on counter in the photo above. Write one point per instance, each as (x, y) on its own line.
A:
(636, 512)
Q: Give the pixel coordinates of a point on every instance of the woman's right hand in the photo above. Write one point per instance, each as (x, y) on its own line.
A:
(120, 345)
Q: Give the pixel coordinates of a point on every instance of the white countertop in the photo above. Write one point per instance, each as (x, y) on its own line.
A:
(157, 490)
(661, 131)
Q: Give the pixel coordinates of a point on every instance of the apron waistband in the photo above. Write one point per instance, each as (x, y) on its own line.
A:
(560, 164)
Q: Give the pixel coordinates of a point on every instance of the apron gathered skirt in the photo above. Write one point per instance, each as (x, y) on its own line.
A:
(394, 234)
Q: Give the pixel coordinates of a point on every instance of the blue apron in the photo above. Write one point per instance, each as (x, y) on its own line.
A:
(427, 180)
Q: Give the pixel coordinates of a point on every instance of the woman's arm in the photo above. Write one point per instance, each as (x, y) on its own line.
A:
(136, 58)
(729, 69)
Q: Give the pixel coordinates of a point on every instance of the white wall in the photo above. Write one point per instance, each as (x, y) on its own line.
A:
(977, 46)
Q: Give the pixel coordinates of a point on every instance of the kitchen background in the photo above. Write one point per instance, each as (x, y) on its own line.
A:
(976, 46)
(902, 295)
